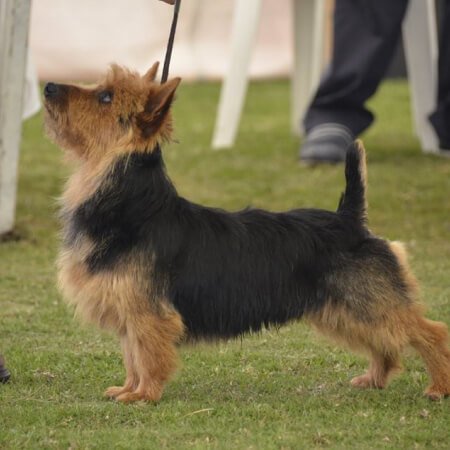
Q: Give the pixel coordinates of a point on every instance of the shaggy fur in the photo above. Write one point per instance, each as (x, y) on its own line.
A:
(141, 260)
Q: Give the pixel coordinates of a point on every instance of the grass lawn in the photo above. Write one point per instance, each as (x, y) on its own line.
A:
(277, 390)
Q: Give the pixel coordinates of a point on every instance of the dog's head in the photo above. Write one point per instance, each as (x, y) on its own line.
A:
(124, 112)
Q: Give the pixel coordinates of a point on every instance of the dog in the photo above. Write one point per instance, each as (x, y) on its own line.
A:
(158, 269)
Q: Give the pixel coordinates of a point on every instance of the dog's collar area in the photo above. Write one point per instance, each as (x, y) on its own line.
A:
(139, 158)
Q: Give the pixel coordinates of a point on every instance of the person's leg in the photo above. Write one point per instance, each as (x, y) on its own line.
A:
(440, 119)
(365, 36)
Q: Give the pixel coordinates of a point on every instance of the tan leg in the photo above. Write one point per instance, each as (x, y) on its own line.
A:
(382, 340)
(381, 368)
(153, 346)
(430, 339)
(132, 379)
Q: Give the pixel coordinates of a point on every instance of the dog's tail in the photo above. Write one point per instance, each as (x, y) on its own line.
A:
(353, 203)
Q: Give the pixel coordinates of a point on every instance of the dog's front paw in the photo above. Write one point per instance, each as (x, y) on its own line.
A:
(434, 392)
(136, 396)
(363, 381)
(115, 391)
(366, 381)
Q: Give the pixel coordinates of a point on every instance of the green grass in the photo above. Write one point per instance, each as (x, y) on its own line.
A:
(286, 389)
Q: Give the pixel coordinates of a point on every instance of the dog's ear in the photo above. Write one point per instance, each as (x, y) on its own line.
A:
(151, 73)
(157, 107)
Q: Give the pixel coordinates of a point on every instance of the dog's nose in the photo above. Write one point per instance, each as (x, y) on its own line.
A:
(51, 90)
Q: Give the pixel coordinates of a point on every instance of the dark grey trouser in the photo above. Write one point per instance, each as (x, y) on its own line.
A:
(441, 117)
(366, 33)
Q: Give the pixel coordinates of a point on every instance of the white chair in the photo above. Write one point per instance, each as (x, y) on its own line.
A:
(31, 97)
(309, 18)
(421, 51)
(14, 22)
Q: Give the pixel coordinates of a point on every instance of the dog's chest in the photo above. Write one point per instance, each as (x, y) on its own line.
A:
(106, 296)
(93, 296)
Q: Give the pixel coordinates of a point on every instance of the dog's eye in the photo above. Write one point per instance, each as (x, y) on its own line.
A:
(105, 97)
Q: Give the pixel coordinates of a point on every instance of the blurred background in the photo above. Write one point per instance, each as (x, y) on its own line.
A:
(77, 39)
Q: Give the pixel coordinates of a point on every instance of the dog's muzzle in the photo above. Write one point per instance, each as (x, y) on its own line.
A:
(54, 92)
(51, 90)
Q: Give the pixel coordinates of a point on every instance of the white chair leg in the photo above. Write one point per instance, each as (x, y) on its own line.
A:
(31, 96)
(234, 87)
(309, 24)
(421, 51)
(14, 22)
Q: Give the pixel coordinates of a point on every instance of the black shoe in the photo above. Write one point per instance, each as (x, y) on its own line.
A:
(440, 126)
(4, 372)
(326, 143)
(444, 151)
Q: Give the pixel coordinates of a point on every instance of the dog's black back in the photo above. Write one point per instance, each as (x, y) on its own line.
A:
(237, 272)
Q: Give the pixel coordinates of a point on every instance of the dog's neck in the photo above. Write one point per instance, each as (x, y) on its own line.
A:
(142, 175)
(134, 190)
(120, 172)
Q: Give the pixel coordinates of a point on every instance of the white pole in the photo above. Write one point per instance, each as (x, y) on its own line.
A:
(421, 50)
(14, 23)
(309, 29)
(234, 87)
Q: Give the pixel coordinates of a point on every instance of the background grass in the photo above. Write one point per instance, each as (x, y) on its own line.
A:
(280, 389)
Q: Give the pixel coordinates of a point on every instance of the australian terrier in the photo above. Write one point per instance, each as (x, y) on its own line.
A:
(158, 269)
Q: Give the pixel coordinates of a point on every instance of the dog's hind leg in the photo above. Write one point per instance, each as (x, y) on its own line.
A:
(382, 368)
(408, 326)
(382, 339)
(430, 339)
(153, 342)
